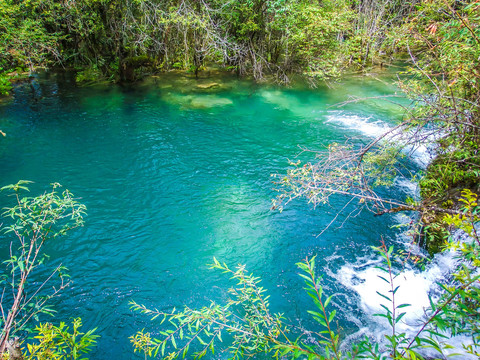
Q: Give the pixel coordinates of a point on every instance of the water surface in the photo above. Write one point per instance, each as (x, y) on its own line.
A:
(174, 174)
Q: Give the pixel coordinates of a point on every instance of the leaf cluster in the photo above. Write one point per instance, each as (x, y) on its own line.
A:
(60, 343)
(33, 221)
(245, 321)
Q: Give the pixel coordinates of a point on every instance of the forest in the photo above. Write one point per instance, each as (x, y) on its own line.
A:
(437, 43)
(125, 40)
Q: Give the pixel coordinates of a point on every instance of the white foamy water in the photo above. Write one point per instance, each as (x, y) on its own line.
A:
(374, 128)
(415, 288)
(365, 125)
(410, 188)
(420, 154)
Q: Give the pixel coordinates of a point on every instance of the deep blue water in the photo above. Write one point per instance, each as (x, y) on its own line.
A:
(174, 175)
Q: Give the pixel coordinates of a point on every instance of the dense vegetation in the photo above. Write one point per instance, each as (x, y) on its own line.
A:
(123, 40)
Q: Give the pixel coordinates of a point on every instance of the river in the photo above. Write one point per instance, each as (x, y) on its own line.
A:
(175, 171)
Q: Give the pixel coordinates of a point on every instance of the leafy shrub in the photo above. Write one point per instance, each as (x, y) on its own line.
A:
(5, 85)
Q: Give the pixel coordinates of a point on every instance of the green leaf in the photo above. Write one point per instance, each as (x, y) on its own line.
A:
(332, 315)
(327, 301)
(201, 341)
(164, 344)
(383, 296)
(399, 317)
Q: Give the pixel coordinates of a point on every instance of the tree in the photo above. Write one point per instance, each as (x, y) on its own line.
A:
(25, 41)
(245, 320)
(444, 47)
(442, 82)
(60, 343)
(122, 39)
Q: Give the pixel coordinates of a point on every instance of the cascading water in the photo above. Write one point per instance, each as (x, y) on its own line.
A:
(374, 127)
(415, 287)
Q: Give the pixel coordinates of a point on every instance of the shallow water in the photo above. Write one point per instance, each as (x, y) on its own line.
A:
(174, 174)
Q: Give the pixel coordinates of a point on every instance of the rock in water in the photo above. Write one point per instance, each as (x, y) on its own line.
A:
(208, 85)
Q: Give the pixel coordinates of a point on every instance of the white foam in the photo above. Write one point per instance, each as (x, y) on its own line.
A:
(409, 187)
(415, 288)
(365, 125)
(419, 153)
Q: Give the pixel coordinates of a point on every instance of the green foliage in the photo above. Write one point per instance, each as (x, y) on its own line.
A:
(245, 318)
(89, 75)
(59, 343)
(260, 37)
(317, 33)
(342, 169)
(328, 339)
(33, 221)
(25, 41)
(44, 217)
(453, 170)
(442, 40)
(5, 85)
(444, 81)
(462, 296)
(245, 321)
(250, 328)
(469, 215)
(394, 312)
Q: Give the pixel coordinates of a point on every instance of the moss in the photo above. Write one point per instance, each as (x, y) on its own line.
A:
(138, 61)
(442, 186)
(89, 75)
(5, 85)
(434, 232)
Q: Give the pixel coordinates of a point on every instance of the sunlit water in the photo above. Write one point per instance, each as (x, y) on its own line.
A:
(174, 174)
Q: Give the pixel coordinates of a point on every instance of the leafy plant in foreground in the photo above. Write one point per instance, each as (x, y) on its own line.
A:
(455, 312)
(58, 342)
(34, 221)
(245, 320)
(393, 313)
(462, 316)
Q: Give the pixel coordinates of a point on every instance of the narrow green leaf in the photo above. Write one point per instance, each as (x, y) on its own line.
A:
(332, 315)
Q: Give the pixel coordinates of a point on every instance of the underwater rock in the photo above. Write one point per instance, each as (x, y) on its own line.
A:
(208, 85)
(197, 101)
(208, 101)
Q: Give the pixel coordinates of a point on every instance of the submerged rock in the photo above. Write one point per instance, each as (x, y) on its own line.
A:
(208, 101)
(208, 85)
(198, 101)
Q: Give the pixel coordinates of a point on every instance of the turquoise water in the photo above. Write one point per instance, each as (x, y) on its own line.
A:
(174, 174)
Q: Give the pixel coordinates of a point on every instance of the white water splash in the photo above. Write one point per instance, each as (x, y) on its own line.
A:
(420, 154)
(365, 125)
(409, 187)
(375, 128)
(415, 288)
